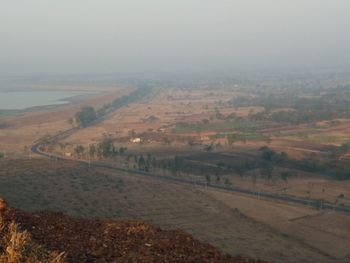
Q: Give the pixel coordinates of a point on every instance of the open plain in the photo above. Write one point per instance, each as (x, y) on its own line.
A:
(192, 134)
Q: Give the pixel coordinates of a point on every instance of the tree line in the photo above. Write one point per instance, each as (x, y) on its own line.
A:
(104, 149)
(331, 105)
(88, 114)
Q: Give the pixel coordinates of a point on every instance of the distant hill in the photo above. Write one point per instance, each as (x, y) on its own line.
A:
(55, 237)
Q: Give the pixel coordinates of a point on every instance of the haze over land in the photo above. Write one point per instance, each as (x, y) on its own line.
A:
(175, 131)
(93, 37)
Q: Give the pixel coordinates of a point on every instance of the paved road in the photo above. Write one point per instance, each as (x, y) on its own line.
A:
(297, 200)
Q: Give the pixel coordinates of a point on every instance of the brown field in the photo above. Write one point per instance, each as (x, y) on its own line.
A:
(303, 184)
(326, 231)
(208, 215)
(24, 130)
(168, 107)
(235, 223)
(173, 106)
(308, 187)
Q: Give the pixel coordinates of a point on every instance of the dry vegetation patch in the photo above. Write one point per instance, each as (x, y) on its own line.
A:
(87, 192)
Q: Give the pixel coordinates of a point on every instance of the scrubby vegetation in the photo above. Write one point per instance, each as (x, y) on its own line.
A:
(17, 245)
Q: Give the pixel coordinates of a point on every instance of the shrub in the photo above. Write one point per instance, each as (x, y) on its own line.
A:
(17, 246)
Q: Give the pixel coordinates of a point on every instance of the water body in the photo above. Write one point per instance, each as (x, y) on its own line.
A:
(20, 100)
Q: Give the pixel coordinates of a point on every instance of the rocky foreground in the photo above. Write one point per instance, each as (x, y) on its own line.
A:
(54, 237)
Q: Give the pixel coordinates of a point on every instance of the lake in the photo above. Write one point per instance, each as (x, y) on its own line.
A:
(19, 100)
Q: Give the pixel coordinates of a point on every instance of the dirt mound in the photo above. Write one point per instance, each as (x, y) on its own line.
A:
(107, 240)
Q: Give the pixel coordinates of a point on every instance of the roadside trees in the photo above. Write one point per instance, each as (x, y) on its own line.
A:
(92, 150)
(85, 116)
(79, 150)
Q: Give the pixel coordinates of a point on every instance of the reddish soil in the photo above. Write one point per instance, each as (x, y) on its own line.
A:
(113, 241)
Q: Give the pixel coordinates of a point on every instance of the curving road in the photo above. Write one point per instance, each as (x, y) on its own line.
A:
(291, 199)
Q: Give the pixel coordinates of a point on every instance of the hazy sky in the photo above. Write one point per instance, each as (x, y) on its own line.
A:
(112, 36)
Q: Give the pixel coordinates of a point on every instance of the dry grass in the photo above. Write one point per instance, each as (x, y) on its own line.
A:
(325, 231)
(24, 130)
(17, 246)
(96, 193)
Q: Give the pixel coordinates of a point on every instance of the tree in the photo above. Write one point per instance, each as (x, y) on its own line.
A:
(178, 163)
(191, 142)
(46, 140)
(266, 171)
(166, 141)
(106, 147)
(154, 162)
(71, 121)
(240, 170)
(267, 154)
(285, 175)
(92, 150)
(127, 160)
(231, 138)
(132, 133)
(227, 182)
(62, 146)
(141, 162)
(2, 155)
(208, 178)
(85, 116)
(26, 149)
(122, 150)
(254, 179)
(209, 148)
(79, 150)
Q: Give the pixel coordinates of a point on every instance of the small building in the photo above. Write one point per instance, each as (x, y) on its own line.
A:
(136, 140)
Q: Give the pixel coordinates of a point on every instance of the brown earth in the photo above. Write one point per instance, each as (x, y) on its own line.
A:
(109, 240)
(32, 125)
(80, 191)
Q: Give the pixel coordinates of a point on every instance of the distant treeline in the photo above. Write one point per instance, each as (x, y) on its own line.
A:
(333, 104)
(88, 114)
(265, 163)
(104, 149)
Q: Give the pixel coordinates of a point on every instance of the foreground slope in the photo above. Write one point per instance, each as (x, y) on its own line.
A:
(80, 191)
(60, 238)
